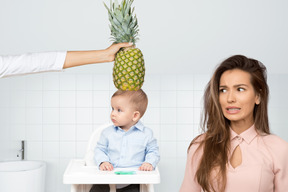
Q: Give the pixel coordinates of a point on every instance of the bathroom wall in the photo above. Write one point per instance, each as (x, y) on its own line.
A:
(182, 42)
(55, 113)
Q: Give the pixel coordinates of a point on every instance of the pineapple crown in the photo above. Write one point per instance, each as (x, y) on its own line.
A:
(123, 25)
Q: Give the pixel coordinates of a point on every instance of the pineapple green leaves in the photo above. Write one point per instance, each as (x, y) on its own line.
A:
(123, 24)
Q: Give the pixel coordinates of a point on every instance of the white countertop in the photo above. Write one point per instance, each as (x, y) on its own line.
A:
(77, 173)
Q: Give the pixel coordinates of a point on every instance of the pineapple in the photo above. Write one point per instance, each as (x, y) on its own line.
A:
(128, 69)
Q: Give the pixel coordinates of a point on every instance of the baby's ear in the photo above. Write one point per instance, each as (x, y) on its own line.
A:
(136, 116)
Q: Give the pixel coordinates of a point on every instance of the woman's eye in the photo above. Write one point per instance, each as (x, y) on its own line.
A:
(119, 110)
(222, 90)
(241, 89)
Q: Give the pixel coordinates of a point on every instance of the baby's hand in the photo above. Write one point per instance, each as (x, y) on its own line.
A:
(146, 167)
(106, 166)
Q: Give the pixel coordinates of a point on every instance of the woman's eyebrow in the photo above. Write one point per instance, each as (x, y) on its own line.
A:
(240, 85)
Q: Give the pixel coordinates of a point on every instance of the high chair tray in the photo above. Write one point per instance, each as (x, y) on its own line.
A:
(78, 173)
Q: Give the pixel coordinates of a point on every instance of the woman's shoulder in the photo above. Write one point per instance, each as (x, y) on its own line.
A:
(199, 139)
(274, 140)
(276, 144)
(195, 143)
(278, 149)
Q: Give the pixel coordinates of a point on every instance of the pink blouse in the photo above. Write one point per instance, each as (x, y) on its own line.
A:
(264, 166)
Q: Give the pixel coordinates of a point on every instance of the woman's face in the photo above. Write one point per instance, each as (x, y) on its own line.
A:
(237, 97)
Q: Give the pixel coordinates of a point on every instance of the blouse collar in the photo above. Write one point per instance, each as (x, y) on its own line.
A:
(247, 135)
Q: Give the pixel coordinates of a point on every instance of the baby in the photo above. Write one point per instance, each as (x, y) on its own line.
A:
(128, 143)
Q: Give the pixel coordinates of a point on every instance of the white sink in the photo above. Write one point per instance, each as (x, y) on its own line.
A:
(24, 176)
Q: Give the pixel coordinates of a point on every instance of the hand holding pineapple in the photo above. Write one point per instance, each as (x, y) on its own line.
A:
(128, 70)
(113, 49)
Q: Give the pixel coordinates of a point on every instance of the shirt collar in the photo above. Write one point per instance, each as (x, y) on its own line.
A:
(248, 135)
(139, 125)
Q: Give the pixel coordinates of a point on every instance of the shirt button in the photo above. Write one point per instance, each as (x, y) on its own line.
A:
(238, 138)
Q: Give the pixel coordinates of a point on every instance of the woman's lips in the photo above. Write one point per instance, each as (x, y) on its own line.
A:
(233, 110)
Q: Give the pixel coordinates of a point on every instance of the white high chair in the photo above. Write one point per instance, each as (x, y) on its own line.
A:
(83, 173)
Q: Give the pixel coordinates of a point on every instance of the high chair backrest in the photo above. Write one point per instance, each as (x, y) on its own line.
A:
(89, 156)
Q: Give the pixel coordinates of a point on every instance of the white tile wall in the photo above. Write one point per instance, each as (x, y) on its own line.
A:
(51, 99)
(67, 132)
(51, 132)
(57, 112)
(67, 98)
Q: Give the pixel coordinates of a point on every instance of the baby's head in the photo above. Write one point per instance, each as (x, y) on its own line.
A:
(136, 99)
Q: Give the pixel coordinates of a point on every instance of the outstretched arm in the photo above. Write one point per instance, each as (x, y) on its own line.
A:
(77, 58)
(55, 61)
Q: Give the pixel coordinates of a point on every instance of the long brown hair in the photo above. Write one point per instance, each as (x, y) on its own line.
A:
(216, 127)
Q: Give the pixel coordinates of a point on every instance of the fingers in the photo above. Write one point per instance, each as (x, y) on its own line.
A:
(146, 167)
(124, 44)
(106, 166)
(113, 49)
(118, 46)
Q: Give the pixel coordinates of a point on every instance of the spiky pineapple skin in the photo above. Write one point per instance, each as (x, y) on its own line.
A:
(129, 69)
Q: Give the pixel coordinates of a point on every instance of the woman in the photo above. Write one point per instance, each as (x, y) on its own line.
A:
(236, 153)
(55, 61)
